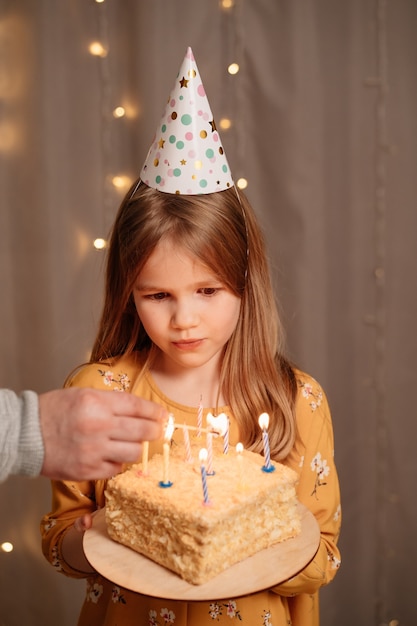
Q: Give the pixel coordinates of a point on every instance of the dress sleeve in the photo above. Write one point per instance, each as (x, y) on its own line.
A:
(318, 487)
(71, 499)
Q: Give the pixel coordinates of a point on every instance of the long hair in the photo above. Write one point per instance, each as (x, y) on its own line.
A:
(221, 230)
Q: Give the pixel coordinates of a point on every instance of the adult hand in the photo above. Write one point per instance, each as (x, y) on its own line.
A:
(89, 434)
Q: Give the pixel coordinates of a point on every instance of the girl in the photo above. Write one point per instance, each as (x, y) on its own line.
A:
(189, 310)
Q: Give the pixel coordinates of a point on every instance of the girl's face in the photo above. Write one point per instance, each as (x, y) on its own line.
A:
(184, 308)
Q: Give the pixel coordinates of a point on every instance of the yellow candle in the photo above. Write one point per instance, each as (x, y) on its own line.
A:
(145, 455)
(165, 476)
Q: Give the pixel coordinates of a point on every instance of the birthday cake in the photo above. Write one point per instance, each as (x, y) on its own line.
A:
(198, 525)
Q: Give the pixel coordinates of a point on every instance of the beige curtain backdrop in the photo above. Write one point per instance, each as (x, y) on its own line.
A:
(324, 128)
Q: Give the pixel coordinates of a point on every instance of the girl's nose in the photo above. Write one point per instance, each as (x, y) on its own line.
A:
(185, 315)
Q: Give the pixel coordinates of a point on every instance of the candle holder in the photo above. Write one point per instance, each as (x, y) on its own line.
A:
(166, 484)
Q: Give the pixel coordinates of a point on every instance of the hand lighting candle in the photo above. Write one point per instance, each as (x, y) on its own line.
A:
(203, 458)
(169, 431)
(263, 423)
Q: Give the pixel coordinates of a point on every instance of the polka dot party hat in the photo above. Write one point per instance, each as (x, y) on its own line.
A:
(186, 155)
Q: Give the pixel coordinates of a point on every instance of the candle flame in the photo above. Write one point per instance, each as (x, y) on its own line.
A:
(170, 427)
(263, 421)
(239, 448)
(218, 424)
(203, 455)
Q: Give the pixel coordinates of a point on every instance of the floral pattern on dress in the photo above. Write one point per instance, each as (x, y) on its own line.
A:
(216, 610)
(121, 381)
(266, 618)
(56, 561)
(117, 596)
(322, 470)
(94, 591)
(167, 615)
(335, 561)
(307, 391)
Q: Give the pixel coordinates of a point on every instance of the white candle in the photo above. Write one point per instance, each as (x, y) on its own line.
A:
(165, 475)
(239, 450)
(264, 423)
(169, 431)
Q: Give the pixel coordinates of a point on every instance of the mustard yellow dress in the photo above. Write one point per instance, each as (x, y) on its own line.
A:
(294, 602)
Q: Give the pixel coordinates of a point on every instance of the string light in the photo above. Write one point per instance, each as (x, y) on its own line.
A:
(233, 68)
(97, 49)
(242, 183)
(119, 112)
(99, 243)
(227, 4)
(6, 546)
(225, 123)
(121, 182)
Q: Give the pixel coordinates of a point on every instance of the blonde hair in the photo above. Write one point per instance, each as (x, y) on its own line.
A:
(221, 230)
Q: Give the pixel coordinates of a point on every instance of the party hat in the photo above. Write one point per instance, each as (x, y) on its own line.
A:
(186, 155)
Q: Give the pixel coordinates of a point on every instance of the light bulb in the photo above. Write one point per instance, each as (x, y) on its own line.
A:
(119, 112)
(225, 123)
(97, 49)
(233, 68)
(6, 546)
(227, 4)
(121, 182)
(99, 243)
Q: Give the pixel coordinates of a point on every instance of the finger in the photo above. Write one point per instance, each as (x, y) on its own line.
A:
(128, 429)
(126, 404)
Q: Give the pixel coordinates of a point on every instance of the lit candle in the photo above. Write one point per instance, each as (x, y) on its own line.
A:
(169, 431)
(239, 450)
(203, 458)
(200, 417)
(145, 455)
(263, 423)
(188, 455)
(210, 471)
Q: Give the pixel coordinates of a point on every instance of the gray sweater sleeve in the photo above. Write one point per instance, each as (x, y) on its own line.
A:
(21, 443)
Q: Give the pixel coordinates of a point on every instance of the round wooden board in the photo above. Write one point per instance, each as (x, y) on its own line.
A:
(267, 568)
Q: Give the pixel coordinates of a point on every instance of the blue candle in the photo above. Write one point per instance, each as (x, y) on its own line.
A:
(263, 423)
(203, 459)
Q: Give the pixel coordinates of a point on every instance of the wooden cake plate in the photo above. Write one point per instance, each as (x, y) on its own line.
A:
(267, 568)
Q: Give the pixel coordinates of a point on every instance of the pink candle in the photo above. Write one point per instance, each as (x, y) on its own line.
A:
(188, 455)
(226, 438)
(200, 417)
(210, 470)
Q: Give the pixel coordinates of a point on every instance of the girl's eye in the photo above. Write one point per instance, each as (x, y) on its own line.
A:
(157, 296)
(209, 291)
